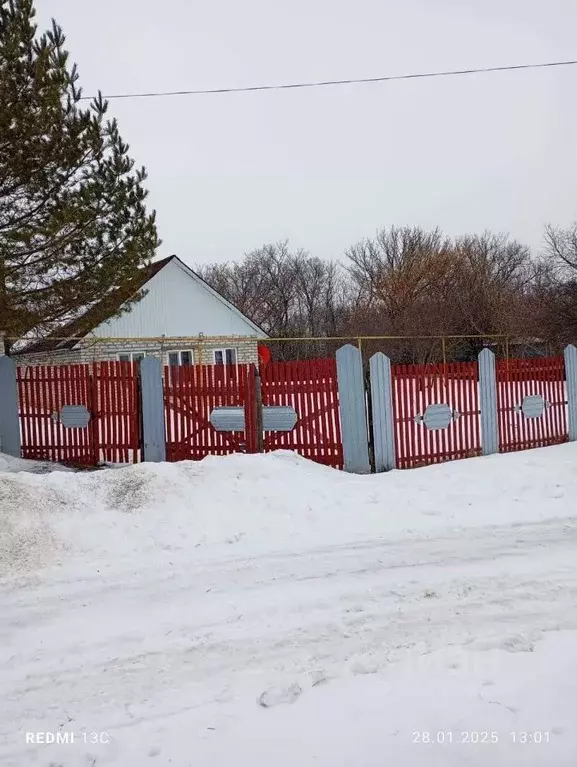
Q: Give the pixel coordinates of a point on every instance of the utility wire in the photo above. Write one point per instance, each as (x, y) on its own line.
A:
(327, 83)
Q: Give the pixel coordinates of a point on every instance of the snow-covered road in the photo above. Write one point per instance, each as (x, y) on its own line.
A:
(360, 646)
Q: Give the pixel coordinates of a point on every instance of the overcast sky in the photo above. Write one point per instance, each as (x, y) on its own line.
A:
(324, 168)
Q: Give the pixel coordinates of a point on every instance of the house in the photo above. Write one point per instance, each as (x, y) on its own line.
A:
(181, 320)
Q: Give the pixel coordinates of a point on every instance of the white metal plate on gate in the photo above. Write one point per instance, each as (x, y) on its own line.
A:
(227, 418)
(279, 418)
(74, 416)
(274, 418)
(436, 417)
(533, 406)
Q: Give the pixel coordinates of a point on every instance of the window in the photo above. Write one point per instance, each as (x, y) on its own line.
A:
(133, 356)
(185, 357)
(225, 356)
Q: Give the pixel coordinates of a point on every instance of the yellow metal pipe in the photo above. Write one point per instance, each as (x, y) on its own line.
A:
(246, 339)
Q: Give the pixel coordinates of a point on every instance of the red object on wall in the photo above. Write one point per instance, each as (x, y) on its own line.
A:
(264, 354)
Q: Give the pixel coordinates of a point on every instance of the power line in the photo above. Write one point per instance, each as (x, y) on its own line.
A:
(328, 83)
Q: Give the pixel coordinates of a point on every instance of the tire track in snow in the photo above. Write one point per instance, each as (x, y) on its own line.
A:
(284, 615)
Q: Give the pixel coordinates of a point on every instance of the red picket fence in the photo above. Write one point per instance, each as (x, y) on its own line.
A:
(310, 387)
(43, 392)
(190, 394)
(519, 378)
(109, 391)
(415, 387)
(118, 411)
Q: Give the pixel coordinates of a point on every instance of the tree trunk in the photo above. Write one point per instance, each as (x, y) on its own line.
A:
(4, 340)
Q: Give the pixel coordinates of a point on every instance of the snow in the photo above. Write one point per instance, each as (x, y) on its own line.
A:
(10, 464)
(265, 610)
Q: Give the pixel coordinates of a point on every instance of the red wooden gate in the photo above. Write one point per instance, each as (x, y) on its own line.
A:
(190, 394)
(310, 387)
(108, 390)
(520, 378)
(415, 388)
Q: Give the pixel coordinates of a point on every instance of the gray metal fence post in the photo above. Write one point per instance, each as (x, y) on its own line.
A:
(570, 355)
(383, 420)
(488, 402)
(152, 408)
(9, 419)
(352, 408)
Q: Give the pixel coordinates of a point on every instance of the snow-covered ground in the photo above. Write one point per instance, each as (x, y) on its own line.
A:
(264, 610)
(12, 465)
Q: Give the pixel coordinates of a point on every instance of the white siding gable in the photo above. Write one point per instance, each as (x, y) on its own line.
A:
(178, 303)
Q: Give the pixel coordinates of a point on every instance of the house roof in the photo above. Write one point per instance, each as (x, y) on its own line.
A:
(67, 336)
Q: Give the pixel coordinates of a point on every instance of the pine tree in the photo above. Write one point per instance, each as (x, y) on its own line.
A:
(73, 222)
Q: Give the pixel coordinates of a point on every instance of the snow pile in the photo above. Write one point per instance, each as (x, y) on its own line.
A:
(27, 538)
(280, 501)
(28, 509)
(259, 610)
(10, 464)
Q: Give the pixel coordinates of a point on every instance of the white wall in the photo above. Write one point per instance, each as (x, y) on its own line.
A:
(177, 305)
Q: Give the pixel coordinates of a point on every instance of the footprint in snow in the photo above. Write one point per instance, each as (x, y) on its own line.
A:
(362, 669)
(276, 696)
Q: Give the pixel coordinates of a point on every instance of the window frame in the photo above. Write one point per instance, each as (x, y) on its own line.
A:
(141, 355)
(223, 351)
(180, 352)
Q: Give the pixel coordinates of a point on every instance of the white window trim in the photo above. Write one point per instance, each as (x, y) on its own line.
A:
(223, 352)
(180, 353)
(131, 355)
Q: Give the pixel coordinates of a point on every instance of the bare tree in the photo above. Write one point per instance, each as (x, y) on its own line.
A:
(242, 286)
(321, 294)
(263, 286)
(287, 293)
(407, 283)
(493, 276)
(555, 287)
(403, 278)
(561, 247)
(418, 283)
(397, 267)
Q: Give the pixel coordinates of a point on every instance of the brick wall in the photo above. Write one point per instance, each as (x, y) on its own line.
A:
(93, 351)
(62, 357)
(246, 350)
